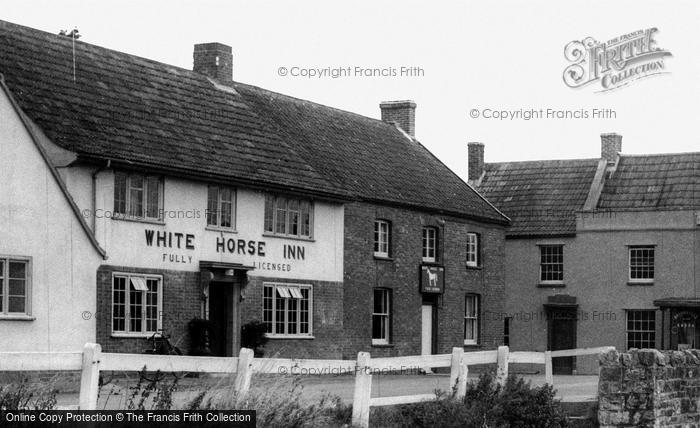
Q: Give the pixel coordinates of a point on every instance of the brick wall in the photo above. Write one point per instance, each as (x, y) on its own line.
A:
(363, 273)
(327, 327)
(181, 303)
(649, 388)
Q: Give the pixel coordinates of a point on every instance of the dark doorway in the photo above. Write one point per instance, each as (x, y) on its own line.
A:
(221, 316)
(561, 335)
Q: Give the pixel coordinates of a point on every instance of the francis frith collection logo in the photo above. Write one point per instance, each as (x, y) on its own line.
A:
(616, 63)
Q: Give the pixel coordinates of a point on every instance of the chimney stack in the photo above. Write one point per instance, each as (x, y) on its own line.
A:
(214, 60)
(475, 161)
(403, 113)
(610, 147)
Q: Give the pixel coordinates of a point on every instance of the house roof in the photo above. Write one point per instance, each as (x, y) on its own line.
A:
(665, 181)
(372, 159)
(540, 197)
(135, 111)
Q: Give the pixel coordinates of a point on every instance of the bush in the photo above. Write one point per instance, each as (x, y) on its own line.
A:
(25, 395)
(279, 406)
(253, 337)
(486, 404)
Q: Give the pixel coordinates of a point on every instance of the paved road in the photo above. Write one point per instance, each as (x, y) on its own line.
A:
(115, 396)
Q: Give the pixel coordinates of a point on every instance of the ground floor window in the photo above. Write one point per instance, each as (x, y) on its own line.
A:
(471, 319)
(641, 329)
(15, 282)
(287, 309)
(136, 303)
(381, 316)
(506, 331)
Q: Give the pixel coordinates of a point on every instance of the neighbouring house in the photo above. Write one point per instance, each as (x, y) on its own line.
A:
(600, 251)
(48, 255)
(218, 200)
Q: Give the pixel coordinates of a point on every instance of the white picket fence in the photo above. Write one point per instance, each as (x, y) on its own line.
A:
(92, 361)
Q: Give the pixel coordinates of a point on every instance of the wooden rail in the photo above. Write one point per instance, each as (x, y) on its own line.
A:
(92, 360)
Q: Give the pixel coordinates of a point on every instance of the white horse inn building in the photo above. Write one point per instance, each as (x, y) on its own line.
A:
(137, 197)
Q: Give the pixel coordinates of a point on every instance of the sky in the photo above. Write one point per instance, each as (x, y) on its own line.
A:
(483, 56)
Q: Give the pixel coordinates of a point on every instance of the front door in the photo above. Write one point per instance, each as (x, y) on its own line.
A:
(562, 335)
(426, 344)
(221, 316)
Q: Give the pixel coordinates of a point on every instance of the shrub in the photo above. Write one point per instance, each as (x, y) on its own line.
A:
(25, 395)
(486, 404)
(253, 337)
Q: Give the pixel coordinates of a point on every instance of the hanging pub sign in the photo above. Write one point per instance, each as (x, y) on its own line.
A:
(432, 279)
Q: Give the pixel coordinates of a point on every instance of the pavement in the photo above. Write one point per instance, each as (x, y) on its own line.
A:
(116, 394)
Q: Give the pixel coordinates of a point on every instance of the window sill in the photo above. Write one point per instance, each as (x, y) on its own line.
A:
(551, 285)
(474, 267)
(17, 318)
(293, 238)
(471, 345)
(221, 229)
(288, 336)
(383, 258)
(382, 345)
(139, 220)
(633, 283)
(132, 335)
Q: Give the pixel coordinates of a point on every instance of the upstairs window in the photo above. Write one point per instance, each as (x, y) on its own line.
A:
(641, 267)
(221, 207)
(138, 196)
(288, 216)
(551, 263)
(430, 236)
(15, 284)
(473, 250)
(382, 233)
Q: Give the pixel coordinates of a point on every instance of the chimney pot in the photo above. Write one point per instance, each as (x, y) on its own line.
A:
(214, 60)
(610, 146)
(402, 113)
(475, 161)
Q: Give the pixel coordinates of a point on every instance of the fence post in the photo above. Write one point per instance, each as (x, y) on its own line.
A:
(244, 372)
(548, 377)
(458, 373)
(90, 376)
(363, 391)
(502, 370)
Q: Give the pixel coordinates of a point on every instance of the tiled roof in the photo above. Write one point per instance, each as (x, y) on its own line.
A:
(127, 108)
(540, 197)
(668, 181)
(372, 159)
(133, 110)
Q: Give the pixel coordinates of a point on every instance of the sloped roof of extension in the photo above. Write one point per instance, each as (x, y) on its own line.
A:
(667, 181)
(542, 197)
(141, 113)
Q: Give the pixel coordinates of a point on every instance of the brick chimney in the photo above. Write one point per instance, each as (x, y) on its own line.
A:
(610, 147)
(475, 161)
(403, 113)
(214, 60)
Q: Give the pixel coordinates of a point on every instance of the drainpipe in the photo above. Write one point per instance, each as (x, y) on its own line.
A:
(94, 194)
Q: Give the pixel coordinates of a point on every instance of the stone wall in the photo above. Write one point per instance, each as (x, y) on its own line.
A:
(649, 388)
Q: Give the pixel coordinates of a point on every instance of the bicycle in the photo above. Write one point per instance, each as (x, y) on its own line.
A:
(159, 344)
